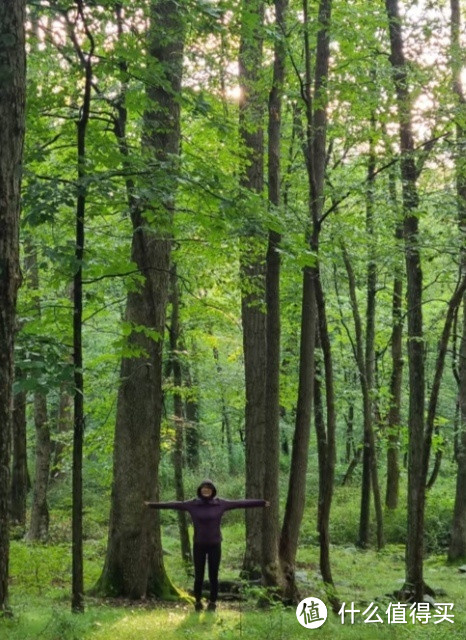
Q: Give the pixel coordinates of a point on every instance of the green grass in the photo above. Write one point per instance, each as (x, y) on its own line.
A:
(34, 620)
(40, 579)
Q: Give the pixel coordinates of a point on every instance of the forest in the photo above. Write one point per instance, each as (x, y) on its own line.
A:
(232, 247)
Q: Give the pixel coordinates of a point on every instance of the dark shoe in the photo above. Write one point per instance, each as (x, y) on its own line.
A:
(198, 605)
(212, 606)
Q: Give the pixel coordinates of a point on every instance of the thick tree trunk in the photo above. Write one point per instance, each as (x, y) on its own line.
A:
(179, 420)
(134, 562)
(12, 98)
(394, 413)
(19, 478)
(457, 547)
(296, 496)
(314, 147)
(414, 586)
(272, 564)
(252, 274)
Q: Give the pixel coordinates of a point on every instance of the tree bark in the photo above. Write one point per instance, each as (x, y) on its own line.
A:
(272, 562)
(321, 431)
(394, 413)
(314, 147)
(179, 421)
(414, 586)
(328, 474)
(39, 524)
(77, 597)
(396, 348)
(369, 355)
(12, 101)
(19, 478)
(134, 563)
(252, 273)
(457, 547)
(296, 496)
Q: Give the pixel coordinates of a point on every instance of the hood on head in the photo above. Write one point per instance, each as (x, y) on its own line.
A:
(207, 483)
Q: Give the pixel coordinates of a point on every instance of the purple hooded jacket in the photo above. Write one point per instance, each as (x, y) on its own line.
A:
(206, 513)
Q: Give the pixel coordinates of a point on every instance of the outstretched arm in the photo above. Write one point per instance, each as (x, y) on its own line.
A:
(244, 504)
(178, 506)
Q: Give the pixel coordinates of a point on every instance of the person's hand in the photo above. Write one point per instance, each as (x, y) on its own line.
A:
(267, 503)
(146, 503)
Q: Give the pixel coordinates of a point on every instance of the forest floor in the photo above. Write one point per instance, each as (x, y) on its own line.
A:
(365, 578)
(40, 584)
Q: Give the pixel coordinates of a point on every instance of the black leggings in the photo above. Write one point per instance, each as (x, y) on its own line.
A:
(213, 553)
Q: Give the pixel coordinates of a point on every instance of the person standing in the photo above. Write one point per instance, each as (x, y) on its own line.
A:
(206, 512)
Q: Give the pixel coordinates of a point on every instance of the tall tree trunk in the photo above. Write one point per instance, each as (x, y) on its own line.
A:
(369, 355)
(134, 562)
(12, 99)
(420, 437)
(457, 547)
(396, 348)
(394, 413)
(272, 564)
(252, 273)
(321, 431)
(179, 421)
(314, 147)
(19, 478)
(296, 496)
(77, 598)
(39, 525)
(416, 487)
(317, 173)
(328, 474)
